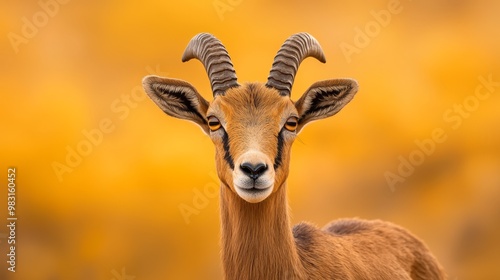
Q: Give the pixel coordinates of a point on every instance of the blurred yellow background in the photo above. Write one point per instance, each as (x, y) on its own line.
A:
(71, 74)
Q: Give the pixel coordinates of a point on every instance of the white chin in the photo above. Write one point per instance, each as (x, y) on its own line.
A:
(254, 195)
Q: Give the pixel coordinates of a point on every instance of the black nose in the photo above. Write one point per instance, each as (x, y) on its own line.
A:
(253, 171)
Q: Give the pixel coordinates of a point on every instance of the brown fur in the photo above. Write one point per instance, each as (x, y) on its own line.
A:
(258, 241)
(247, 111)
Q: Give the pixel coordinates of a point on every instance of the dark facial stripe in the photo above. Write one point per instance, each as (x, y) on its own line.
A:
(279, 153)
(227, 155)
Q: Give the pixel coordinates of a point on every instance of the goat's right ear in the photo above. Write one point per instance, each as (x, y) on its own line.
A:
(178, 99)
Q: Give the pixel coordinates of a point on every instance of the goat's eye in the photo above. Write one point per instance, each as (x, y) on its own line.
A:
(291, 124)
(213, 123)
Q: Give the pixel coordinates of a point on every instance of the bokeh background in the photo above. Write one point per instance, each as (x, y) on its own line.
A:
(114, 212)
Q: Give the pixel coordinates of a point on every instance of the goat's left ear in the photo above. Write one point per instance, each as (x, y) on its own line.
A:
(178, 99)
(324, 99)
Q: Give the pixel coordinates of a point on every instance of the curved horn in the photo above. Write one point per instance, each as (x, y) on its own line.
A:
(286, 63)
(210, 51)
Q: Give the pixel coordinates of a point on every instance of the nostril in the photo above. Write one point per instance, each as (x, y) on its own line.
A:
(253, 171)
(260, 168)
(246, 168)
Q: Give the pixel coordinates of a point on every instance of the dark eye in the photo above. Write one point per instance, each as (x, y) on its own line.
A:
(213, 123)
(291, 124)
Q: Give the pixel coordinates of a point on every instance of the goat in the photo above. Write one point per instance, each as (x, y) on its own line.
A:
(253, 127)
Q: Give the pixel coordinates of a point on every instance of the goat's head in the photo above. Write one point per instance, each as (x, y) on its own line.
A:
(253, 125)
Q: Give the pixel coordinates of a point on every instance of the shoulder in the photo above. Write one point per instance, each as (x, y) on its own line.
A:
(305, 234)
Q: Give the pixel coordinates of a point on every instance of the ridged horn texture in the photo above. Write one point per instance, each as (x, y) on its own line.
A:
(212, 53)
(286, 63)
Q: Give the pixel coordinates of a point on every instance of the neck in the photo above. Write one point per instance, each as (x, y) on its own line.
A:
(257, 241)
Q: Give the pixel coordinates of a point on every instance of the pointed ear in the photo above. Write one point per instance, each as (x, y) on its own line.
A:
(178, 99)
(324, 99)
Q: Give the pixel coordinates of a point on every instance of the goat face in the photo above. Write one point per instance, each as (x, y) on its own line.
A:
(253, 125)
(252, 128)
